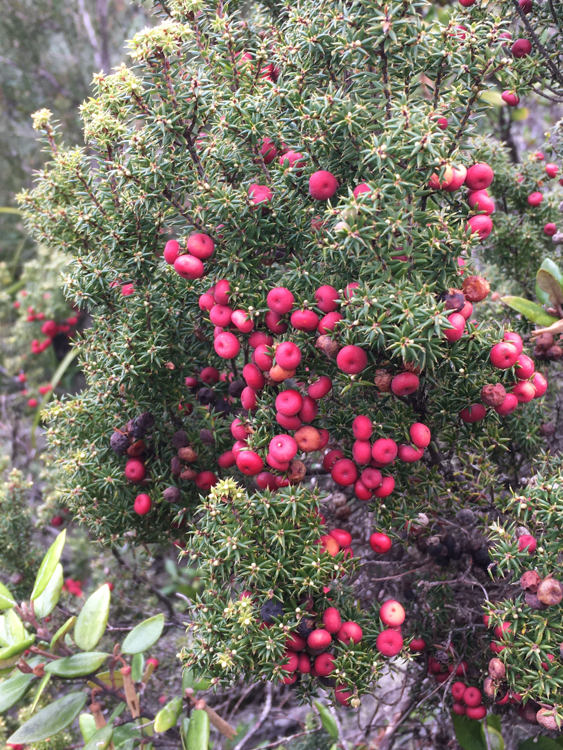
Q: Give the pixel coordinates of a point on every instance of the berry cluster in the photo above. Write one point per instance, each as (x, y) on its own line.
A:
(130, 442)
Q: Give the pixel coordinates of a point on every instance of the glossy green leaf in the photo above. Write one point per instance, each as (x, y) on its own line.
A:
(492, 738)
(18, 648)
(530, 310)
(144, 635)
(13, 630)
(327, 720)
(492, 97)
(87, 725)
(128, 732)
(137, 667)
(52, 719)
(553, 268)
(105, 677)
(198, 731)
(541, 296)
(93, 619)
(40, 690)
(48, 565)
(542, 743)
(14, 688)
(168, 716)
(101, 739)
(77, 665)
(47, 601)
(469, 733)
(117, 711)
(7, 601)
(60, 634)
(550, 285)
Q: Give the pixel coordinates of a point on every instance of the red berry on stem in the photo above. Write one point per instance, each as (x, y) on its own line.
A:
(288, 355)
(473, 413)
(504, 355)
(322, 185)
(328, 322)
(344, 472)
(189, 267)
(319, 638)
(142, 504)
(512, 99)
(280, 300)
(384, 450)
(331, 458)
(527, 543)
(200, 245)
(385, 488)
(405, 383)
(371, 478)
(380, 542)
(472, 696)
(320, 388)
(481, 224)
(283, 448)
(389, 642)
(171, 251)
(392, 613)
(534, 199)
(351, 359)
(350, 631)
(135, 470)
(521, 48)
(362, 428)
(305, 320)
(226, 345)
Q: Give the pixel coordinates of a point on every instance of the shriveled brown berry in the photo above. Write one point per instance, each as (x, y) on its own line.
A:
(296, 471)
(554, 353)
(383, 380)
(119, 443)
(199, 334)
(489, 687)
(530, 581)
(236, 388)
(343, 512)
(550, 591)
(412, 367)
(475, 288)
(206, 437)
(544, 340)
(497, 670)
(547, 429)
(137, 449)
(528, 711)
(188, 474)
(180, 439)
(172, 495)
(539, 353)
(454, 299)
(546, 718)
(493, 394)
(145, 421)
(533, 602)
(176, 466)
(328, 346)
(187, 454)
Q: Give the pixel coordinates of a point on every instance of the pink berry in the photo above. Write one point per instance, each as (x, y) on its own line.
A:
(550, 229)
(362, 428)
(481, 201)
(551, 170)
(226, 345)
(540, 384)
(521, 48)
(525, 367)
(420, 435)
(135, 470)
(408, 454)
(249, 463)
(328, 322)
(344, 472)
(320, 388)
(280, 300)
(509, 404)
(322, 185)
(479, 176)
(512, 99)
(456, 332)
(534, 199)
(221, 292)
(274, 322)
(188, 267)
(327, 298)
(405, 383)
(305, 320)
(472, 414)
(142, 504)
(241, 320)
(524, 392)
(200, 245)
(504, 355)
(351, 359)
(283, 448)
(171, 251)
(288, 355)
(259, 194)
(481, 224)
(384, 451)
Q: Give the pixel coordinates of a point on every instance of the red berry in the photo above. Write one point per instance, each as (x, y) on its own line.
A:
(481, 224)
(512, 99)
(288, 423)
(291, 661)
(456, 332)
(380, 542)
(327, 298)
(32, 403)
(259, 337)
(288, 355)
(371, 478)
(226, 460)
(351, 359)
(142, 504)
(220, 315)
(551, 170)
(283, 448)
(389, 642)
(362, 492)
(322, 185)
(292, 159)
(362, 188)
(458, 689)
(405, 384)
(188, 267)
(328, 322)
(514, 339)
(342, 695)
(509, 404)
(295, 642)
(253, 376)
(268, 150)
(289, 402)
(473, 413)
(344, 538)
(524, 367)
(526, 5)
(57, 521)
(305, 320)
(417, 645)
(259, 194)
(385, 488)
(241, 320)
(304, 664)
(206, 301)
(226, 345)
(280, 300)
(331, 458)
(362, 428)
(521, 48)
(350, 631)
(324, 664)
(344, 472)
(476, 712)
(504, 355)
(479, 176)
(309, 410)
(319, 638)
(524, 392)
(275, 464)
(135, 470)
(420, 435)
(384, 451)
(320, 388)
(392, 613)
(248, 399)
(550, 229)
(221, 292)
(263, 358)
(409, 454)
(200, 245)
(540, 384)
(481, 201)
(459, 709)
(534, 199)
(205, 480)
(472, 696)
(361, 452)
(171, 251)
(527, 543)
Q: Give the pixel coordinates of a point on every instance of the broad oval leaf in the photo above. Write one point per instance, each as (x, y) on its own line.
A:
(77, 665)
(47, 601)
(60, 634)
(101, 739)
(40, 690)
(14, 688)
(198, 731)
(131, 732)
(468, 732)
(87, 725)
(539, 743)
(52, 719)
(48, 565)
(550, 285)
(144, 635)
(11, 651)
(13, 630)
(7, 601)
(327, 720)
(105, 677)
(530, 310)
(541, 296)
(553, 268)
(93, 619)
(168, 716)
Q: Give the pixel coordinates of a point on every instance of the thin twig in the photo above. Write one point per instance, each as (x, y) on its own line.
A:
(263, 716)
